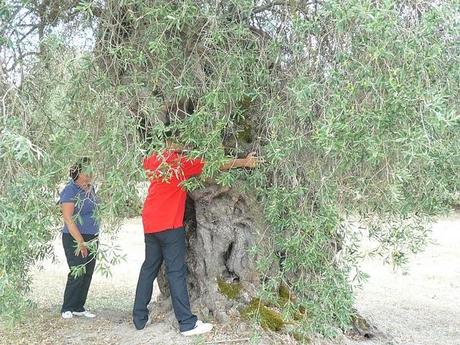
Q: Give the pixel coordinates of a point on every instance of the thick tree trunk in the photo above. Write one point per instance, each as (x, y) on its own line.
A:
(222, 225)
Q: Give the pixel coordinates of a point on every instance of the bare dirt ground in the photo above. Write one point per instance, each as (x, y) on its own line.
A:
(420, 306)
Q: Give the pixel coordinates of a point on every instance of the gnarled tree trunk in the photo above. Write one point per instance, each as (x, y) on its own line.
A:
(222, 225)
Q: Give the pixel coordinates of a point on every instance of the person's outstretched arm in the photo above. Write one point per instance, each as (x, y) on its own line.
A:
(251, 161)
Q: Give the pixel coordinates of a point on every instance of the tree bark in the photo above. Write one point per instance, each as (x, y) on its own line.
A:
(222, 225)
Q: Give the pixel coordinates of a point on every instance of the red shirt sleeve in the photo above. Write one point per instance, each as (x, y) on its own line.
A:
(150, 163)
(192, 167)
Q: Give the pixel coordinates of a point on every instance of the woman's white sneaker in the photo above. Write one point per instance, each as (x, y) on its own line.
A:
(67, 315)
(85, 313)
(200, 328)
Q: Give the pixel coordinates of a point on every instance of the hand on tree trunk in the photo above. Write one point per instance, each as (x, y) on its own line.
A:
(252, 161)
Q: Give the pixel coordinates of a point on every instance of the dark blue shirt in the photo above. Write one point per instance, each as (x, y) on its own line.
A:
(85, 206)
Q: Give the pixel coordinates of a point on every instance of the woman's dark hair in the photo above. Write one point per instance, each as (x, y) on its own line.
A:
(75, 169)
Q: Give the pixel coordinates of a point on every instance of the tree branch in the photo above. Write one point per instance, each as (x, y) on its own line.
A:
(269, 6)
(20, 59)
(298, 5)
(261, 33)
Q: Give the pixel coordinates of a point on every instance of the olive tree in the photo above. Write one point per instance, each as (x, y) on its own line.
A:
(353, 105)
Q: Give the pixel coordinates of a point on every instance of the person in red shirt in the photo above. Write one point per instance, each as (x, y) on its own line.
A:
(164, 233)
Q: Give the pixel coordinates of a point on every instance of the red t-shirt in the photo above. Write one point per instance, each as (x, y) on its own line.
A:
(164, 206)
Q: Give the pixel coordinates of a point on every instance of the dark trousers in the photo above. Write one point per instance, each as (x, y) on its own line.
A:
(168, 246)
(76, 289)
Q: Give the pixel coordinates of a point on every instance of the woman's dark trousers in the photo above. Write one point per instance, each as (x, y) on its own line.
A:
(76, 289)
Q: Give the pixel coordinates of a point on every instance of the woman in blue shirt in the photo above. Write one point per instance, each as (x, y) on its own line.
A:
(78, 203)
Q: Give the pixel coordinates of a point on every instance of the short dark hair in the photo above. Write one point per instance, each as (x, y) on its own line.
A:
(75, 169)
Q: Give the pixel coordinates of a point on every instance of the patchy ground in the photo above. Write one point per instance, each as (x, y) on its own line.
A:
(417, 307)
(421, 305)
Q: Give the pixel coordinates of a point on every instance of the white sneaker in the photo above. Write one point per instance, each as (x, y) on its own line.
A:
(200, 328)
(67, 315)
(149, 322)
(85, 313)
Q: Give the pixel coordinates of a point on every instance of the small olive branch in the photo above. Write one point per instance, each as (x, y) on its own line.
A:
(106, 256)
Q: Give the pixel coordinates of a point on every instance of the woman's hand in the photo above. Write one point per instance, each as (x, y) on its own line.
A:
(83, 249)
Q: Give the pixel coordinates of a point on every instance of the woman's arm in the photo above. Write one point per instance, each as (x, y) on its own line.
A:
(251, 161)
(67, 212)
